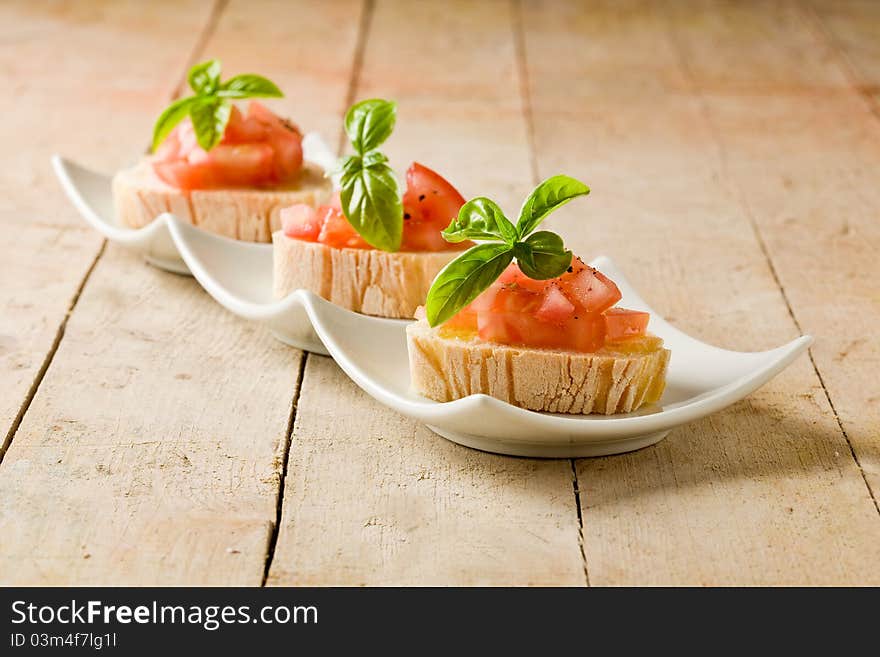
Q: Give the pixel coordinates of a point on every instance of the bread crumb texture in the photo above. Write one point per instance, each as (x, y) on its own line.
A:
(367, 281)
(445, 368)
(251, 215)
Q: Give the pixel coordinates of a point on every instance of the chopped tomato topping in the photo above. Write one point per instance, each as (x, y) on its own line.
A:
(301, 222)
(257, 150)
(430, 203)
(572, 312)
(621, 323)
(593, 291)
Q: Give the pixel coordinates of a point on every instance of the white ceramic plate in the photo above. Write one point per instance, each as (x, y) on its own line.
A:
(702, 379)
(92, 194)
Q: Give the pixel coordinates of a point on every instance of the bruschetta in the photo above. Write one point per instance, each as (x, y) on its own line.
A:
(543, 332)
(218, 168)
(369, 249)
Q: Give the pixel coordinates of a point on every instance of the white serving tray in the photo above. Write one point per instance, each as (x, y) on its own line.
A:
(92, 194)
(701, 380)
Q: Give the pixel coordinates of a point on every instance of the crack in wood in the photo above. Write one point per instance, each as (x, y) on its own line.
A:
(288, 439)
(41, 373)
(519, 41)
(357, 65)
(759, 238)
(210, 25)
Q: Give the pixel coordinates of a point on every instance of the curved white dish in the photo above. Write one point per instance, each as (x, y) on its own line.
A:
(702, 379)
(91, 193)
(239, 277)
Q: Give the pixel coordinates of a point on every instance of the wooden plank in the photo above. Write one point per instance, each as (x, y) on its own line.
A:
(88, 106)
(853, 28)
(765, 491)
(374, 498)
(153, 450)
(805, 171)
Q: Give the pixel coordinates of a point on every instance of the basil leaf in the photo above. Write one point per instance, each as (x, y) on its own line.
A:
(371, 203)
(348, 165)
(373, 158)
(204, 77)
(480, 219)
(550, 195)
(173, 114)
(463, 279)
(369, 123)
(542, 255)
(249, 86)
(209, 119)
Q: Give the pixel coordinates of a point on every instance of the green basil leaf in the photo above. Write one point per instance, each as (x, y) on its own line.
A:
(550, 195)
(348, 165)
(209, 119)
(480, 219)
(173, 114)
(204, 77)
(369, 123)
(372, 158)
(463, 279)
(542, 255)
(371, 203)
(249, 86)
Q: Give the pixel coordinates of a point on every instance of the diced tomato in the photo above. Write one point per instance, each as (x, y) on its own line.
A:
(555, 307)
(257, 150)
(301, 222)
(337, 232)
(553, 314)
(584, 333)
(241, 130)
(423, 219)
(513, 274)
(589, 288)
(513, 298)
(621, 324)
(430, 203)
(327, 225)
(464, 320)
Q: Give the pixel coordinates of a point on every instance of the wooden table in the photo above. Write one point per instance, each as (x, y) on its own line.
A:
(733, 150)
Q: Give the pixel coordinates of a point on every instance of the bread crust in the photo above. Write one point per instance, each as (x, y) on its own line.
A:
(445, 367)
(367, 281)
(251, 215)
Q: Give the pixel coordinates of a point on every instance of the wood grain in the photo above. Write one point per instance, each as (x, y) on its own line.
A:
(152, 451)
(372, 497)
(852, 29)
(804, 173)
(765, 491)
(154, 448)
(55, 70)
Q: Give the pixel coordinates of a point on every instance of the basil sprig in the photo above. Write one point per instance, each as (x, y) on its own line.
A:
(368, 188)
(211, 103)
(540, 255)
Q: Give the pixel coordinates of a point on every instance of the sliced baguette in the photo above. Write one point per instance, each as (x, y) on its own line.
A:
(367, 281)
(139, 196)
(445, 366)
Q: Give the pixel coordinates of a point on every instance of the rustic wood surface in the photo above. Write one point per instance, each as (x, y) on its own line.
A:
(149, 437)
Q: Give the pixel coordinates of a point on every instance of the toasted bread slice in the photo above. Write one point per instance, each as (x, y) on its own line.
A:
(367, 281)
(251, 215)
(447, 365)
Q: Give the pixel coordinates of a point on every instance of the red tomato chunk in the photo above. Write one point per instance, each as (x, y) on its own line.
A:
(257, 150)
(572, 312)
(430, 203)
(621, 323)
